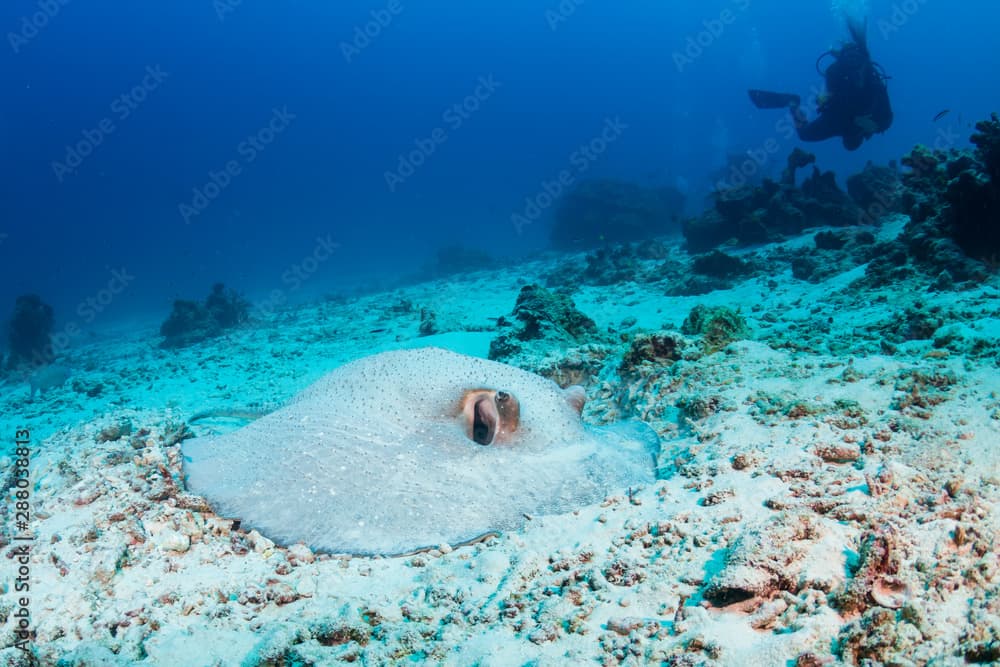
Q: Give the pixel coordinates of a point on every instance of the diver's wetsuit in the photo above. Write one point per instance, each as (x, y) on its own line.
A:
(858, 103)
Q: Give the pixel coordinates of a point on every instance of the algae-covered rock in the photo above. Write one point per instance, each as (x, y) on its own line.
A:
(718, 326)
(763, 561)
(662, 348)
(544, 316)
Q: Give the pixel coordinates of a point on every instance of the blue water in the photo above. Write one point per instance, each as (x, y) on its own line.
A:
(538, 80)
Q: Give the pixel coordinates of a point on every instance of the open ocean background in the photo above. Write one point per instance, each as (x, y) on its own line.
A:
(199, 78)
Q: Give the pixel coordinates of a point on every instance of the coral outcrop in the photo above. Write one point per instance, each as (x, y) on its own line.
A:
(718, 326)
(771, 210)
(797, 159)
(765, 561)
(659, 349)
(191, 322)
(543, 319)
(974, 195)
(876, 189)
(953, 200)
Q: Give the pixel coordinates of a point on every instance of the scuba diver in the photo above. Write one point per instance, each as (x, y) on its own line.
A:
(856, 103)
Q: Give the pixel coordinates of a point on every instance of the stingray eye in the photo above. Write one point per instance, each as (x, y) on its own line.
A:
(502, 397)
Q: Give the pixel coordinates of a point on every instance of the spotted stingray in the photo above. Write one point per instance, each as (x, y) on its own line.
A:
(411, 449)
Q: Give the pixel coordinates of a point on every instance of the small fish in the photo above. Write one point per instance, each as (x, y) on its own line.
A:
(377, 331)
(940, 114)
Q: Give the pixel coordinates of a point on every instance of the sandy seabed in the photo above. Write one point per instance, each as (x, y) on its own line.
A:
(829, 494)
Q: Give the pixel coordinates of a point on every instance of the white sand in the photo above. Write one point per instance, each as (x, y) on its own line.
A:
(127, 569)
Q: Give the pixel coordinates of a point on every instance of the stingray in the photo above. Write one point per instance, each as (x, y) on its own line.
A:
(412, 449)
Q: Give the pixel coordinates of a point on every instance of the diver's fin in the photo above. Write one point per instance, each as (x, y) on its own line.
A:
(858, 27)
(763, 99)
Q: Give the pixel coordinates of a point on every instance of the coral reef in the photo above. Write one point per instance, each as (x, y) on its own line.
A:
(797, 159)
(191, 322)
(29, 333)
(226, 306)
(649, 262)
(876, 189)
(974, 195)
(953, 200)
(541, 315)
(596, 212)
(611, 265)
(772, 209)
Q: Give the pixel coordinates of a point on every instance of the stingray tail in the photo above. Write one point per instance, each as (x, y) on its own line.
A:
(246, 414)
